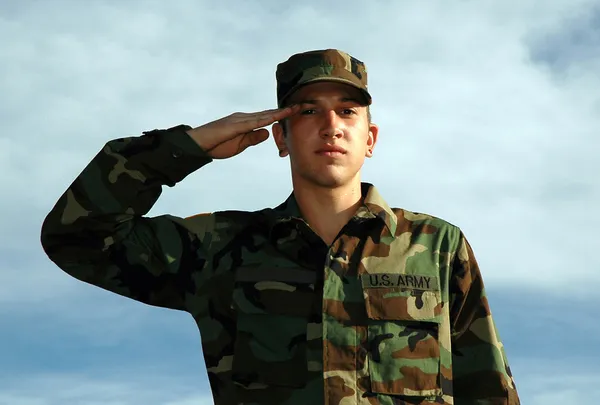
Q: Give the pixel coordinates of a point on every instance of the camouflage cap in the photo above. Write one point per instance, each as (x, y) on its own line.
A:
(321, 65)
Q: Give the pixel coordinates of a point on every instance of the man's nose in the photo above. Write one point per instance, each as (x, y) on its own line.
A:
(330, 126)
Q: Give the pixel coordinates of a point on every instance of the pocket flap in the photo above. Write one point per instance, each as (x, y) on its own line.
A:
(274, 290)
(402, 297)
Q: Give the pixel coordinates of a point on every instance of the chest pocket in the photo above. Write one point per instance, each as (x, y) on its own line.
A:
(273, 306)
(404, 314)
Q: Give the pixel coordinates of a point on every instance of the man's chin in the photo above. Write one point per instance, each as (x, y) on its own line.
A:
(329, 180)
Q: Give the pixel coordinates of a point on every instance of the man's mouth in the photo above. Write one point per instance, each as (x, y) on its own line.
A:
(331, 150)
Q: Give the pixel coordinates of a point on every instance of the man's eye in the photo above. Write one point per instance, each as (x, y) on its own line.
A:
(307, 112)
(349, 111)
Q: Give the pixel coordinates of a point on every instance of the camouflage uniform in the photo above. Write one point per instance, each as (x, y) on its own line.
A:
(394, 311)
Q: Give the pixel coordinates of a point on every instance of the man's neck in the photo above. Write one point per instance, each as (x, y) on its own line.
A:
(328, 210)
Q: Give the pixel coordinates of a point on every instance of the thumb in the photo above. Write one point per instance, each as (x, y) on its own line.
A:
(254, 137)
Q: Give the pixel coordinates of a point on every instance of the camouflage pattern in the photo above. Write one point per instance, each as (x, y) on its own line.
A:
(393, 312)
(321, 65)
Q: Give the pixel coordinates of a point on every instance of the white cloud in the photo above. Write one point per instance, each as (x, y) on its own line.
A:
(81, 389)
(557, 382)
(480, 125)
(473, 129)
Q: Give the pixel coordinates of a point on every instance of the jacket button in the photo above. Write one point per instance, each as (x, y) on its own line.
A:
(176, 153)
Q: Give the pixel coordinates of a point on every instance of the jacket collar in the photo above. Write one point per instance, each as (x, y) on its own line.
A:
(373, 207)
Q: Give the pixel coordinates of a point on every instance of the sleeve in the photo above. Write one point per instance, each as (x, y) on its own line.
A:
(481, 372)
(97, 231)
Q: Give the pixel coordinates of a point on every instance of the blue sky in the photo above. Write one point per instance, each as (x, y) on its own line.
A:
(489, 115)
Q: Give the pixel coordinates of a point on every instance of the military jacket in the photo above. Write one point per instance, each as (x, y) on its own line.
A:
(394, 311)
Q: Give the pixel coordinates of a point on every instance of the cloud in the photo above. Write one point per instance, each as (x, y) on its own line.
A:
(489, 116)
(82, 389)
(567, 46)
(554, 382)
(477, 127)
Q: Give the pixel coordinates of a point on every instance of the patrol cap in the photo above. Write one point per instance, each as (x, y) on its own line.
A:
(321, 65)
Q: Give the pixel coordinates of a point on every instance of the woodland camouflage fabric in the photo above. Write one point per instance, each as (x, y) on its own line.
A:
(326, 64)
(393, 312)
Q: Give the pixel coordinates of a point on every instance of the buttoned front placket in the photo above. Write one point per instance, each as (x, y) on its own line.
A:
(342, 313)
(343, 309)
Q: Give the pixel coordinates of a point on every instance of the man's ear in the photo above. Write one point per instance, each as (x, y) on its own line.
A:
(371, 139)
(279, 137)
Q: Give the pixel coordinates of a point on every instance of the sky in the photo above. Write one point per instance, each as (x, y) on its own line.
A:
(489, 116)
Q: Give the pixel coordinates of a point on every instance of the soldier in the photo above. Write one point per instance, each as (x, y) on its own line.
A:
(330, 298)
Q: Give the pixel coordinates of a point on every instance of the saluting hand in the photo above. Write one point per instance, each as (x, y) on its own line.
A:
(231, 135)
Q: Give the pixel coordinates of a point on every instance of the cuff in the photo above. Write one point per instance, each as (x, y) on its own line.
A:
(175, 154)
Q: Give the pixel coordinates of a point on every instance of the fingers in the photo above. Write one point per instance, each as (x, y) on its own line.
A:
(246, 122)
(276, 112)
(270, 116)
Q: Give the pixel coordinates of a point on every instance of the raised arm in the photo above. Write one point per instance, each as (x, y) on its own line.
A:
(98, 233)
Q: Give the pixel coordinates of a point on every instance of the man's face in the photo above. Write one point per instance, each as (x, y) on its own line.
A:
(332, 115)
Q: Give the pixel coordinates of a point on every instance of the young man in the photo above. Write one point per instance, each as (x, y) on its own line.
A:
(331, 298)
